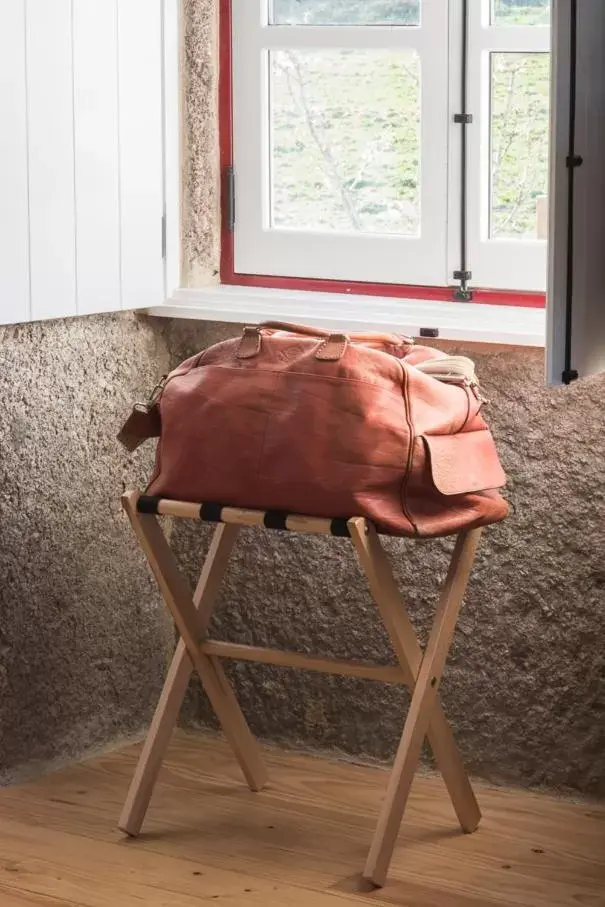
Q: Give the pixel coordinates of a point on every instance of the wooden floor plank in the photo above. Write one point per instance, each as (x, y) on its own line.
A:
(302, 841)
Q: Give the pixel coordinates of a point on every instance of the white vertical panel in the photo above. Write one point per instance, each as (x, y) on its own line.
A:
(96, 155)
(51, 158)
(14, 242)
(141, 151)
(579, 332)
(559, 207)
(588, 304)
(172, 143)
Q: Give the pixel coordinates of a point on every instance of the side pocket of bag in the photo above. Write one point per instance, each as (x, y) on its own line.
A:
(453, 482)
(464, 463)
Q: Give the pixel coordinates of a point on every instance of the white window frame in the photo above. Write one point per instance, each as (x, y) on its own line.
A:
(505, 264)
(262, 249)
(510, 324)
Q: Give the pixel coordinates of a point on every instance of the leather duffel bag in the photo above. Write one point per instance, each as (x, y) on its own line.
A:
(297, 419)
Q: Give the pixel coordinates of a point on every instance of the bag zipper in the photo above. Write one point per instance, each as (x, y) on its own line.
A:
(454, 370)
(154, 397)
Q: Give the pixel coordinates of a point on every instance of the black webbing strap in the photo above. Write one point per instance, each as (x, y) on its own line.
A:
(275, 519)
(148, 504)
(211, 513)
(340, 528)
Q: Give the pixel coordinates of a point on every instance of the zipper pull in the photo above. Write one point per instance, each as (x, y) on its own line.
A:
(156, 393)
(144, 421)
(474, 386)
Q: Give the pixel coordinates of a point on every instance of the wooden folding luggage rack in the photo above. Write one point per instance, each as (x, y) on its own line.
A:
(420, 672)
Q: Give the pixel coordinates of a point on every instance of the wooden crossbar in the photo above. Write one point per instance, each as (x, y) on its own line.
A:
(420, 671)
(259, 655)
(237, 516)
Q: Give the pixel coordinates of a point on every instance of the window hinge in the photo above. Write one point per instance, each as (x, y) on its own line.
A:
(164, 239)
(463, 118)
(230, 199)
(463, 275)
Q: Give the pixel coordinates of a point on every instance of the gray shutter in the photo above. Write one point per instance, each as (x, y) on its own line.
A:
(576, 305)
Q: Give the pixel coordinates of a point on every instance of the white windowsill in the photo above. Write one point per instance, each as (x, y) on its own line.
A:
(472, 322)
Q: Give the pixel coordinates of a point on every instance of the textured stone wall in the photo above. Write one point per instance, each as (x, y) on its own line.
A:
(525, 685)
(201, 195)
(83, 640)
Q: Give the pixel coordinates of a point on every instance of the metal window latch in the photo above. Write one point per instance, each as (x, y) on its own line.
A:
(464, 118)
(574, 160)
(461, 295)
(463, 275)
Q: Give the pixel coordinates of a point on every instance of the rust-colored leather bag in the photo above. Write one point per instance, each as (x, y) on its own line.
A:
(295, 419)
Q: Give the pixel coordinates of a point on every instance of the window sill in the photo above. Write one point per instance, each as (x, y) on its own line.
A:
(471, 322)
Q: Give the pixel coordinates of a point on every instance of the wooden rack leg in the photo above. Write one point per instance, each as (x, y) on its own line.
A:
(424, 674)
(198, 613)
(175, 686)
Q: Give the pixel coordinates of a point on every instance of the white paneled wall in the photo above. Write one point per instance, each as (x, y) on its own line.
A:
(141, 163)
(81, 157)
(14, 230)
(97, 153)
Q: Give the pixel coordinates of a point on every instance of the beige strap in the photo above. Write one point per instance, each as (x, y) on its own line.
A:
(455, 369)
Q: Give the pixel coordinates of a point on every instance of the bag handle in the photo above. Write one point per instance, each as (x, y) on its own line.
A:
(359, 337)
(331, 350)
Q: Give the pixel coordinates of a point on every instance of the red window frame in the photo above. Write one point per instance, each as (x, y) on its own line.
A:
(228, 273)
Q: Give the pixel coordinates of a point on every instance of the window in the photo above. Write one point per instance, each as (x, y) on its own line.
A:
(350, 163)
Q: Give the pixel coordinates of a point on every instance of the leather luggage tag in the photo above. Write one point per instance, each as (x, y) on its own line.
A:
(142, 423)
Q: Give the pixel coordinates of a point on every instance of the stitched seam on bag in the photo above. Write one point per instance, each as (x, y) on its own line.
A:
(259, 471)
(408, 472)
(194, 365)
(157, 468)
(468, 411)
(267, 371)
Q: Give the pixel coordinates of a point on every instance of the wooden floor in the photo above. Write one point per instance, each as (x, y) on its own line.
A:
(301, 842)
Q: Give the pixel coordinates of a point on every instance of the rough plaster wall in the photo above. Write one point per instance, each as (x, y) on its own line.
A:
(525, 685)
(83, 640)
(201, 196)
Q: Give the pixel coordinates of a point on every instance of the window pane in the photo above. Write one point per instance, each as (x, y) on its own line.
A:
(521, 12)
(346, 140)
(519, 144)
(345, 12)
